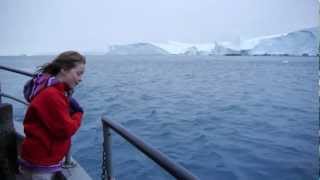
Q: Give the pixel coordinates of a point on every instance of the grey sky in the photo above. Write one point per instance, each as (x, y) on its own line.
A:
(41, 26)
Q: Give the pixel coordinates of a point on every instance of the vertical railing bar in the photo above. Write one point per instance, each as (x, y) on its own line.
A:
(68, 163)
(107, 153)
(68, 158)
(0, 94)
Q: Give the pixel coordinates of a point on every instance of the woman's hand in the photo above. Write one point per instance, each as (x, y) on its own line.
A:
(75, 106)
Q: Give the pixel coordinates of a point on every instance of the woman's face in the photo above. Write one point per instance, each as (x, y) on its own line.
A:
(73, 76)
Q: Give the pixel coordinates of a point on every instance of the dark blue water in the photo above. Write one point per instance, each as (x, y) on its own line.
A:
(226, 118)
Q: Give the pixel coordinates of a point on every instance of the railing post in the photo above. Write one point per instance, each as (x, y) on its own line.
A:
(8, 145)
(0, 94)
(68, 163)
(107, 156)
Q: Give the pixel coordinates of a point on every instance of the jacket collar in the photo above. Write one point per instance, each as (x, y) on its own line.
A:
(61, 86)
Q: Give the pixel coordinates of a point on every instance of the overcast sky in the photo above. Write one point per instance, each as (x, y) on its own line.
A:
(42, 26)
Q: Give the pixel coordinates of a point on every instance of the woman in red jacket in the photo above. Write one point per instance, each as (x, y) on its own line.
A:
(52, 117)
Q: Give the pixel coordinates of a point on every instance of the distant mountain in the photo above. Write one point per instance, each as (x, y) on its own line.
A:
(136, 49)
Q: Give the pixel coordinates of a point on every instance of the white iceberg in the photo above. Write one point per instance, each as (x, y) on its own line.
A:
(136, 49)
(304, 42)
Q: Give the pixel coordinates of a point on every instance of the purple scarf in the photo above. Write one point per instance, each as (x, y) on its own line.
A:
(36, 84)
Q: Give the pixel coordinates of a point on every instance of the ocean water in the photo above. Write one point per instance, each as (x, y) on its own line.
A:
(226, 118)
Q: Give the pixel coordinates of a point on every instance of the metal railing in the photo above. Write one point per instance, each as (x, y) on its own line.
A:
(162, 160)
(17, 72)
(68, 163)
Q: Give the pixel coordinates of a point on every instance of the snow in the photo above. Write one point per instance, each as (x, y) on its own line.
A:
(174, 47)
(221, 49)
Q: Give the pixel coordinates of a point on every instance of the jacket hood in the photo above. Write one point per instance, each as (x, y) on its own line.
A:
(38, 83)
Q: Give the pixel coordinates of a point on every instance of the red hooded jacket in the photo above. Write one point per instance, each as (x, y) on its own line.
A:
(48, 126)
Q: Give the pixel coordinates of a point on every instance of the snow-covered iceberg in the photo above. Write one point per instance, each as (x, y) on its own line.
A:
(304, 42)
(299, 43)
(136, 49)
